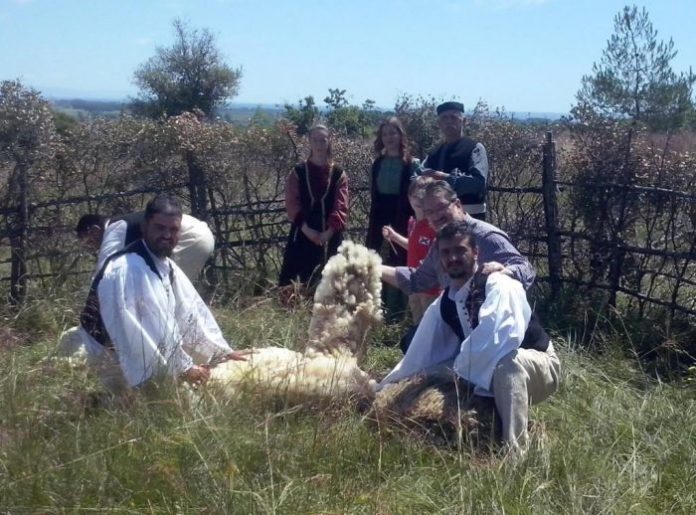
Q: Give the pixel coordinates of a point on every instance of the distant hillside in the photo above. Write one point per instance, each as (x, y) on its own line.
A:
(92, 106)
(242, 114)
(238, 114)
(235, 113)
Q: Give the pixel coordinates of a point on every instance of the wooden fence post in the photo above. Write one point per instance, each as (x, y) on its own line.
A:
(198, 196)
(553, 241)
(18, 242)
(198, 190)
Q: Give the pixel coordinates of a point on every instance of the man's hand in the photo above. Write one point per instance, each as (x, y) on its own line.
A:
(435, 174)
(492, 266)
(197, 374)
(237, 355)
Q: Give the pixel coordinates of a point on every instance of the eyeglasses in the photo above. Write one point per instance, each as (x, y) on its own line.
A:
(439, 208)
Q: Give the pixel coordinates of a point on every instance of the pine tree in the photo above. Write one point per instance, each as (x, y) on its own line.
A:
(634, 78)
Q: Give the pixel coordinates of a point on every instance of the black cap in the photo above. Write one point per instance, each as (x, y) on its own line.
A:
(450, 106)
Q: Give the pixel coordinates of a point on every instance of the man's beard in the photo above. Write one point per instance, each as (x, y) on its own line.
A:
(162, 250)
(460, 272)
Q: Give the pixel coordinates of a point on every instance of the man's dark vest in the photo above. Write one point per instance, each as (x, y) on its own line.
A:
(315, 214)
(449, 156)
(534, 338)
(91, 319)
(134, 223)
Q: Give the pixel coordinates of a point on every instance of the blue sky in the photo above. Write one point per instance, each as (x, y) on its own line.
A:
(524, 55)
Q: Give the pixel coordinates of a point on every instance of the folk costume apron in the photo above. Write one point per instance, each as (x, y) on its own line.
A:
(303, 260)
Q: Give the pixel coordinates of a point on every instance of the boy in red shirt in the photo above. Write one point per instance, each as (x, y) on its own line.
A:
(420, 237)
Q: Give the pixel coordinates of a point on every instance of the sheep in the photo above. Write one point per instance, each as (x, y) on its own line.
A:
(439, 407)
(346, 306)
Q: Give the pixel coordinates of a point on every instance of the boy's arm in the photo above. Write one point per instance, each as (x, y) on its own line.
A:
(389, 234)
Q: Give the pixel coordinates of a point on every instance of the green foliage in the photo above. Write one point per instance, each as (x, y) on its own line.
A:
(417, 114)
(619, 204)
(342, 117)
(187, 76)
(242, 172)
(349, 119)
(82, 108)
(304, 115)
(336, 98)
(28, 145)
(261, 118)
(27, 131)
(64, 122)
(634, 79)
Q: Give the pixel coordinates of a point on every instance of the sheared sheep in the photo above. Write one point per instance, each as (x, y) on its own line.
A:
(346, 306)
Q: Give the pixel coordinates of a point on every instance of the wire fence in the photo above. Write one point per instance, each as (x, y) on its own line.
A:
(633, 245)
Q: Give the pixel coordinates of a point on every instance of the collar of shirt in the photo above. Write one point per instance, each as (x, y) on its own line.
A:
(462, 293)
(459, 297)
(163, 266)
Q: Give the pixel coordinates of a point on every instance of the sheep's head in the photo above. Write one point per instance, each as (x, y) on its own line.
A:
(347, 301)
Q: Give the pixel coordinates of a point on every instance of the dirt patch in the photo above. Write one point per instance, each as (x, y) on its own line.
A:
(10, 338)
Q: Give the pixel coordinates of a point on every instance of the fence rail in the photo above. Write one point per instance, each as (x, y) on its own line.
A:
(541, 214)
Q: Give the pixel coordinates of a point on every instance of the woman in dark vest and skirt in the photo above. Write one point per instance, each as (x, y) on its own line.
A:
(390, 177)
(316, 200)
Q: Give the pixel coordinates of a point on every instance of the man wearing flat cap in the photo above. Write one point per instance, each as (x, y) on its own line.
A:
(460, 161)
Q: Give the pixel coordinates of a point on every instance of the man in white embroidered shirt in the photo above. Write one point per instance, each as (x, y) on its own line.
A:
(483, 329)
(143, 318)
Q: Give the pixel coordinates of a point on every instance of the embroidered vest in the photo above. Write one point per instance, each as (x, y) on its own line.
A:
(90, 318)
(449, 156)
(535, 337)
(315, 210)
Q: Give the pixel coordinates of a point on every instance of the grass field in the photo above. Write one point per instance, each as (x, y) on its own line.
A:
(613, 440)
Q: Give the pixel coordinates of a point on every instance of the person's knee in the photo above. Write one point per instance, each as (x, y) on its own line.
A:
(509, 370)
(207, 242)
(553, 377)
(192, 255)
(202, 247)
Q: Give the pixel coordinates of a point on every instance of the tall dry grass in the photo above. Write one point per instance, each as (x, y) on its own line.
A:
(613, 440)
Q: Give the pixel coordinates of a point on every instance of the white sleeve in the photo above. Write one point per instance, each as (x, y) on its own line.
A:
(503, 320)
(200, 333)
(432, 343)
(114, 240)
(140, 323)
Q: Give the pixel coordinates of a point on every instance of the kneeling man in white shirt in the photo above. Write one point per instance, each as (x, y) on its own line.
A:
(483, 329)
(143, 318)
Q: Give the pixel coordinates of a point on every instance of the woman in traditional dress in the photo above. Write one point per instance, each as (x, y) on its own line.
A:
(391, 174)
(316, 200)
